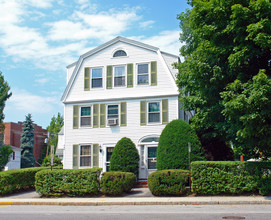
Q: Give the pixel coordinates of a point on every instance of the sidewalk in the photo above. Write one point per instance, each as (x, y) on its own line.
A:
(139, 196)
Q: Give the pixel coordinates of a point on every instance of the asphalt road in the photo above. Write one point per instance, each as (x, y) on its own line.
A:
(209, 212)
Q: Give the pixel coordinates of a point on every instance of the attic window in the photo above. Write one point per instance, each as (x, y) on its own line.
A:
(120, 53)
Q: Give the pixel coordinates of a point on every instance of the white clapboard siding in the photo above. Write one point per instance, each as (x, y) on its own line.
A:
(111, 135)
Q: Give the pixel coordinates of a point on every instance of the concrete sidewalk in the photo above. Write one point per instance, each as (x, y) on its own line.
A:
(139, 196)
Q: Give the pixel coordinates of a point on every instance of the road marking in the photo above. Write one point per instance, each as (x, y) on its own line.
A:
(6, 203)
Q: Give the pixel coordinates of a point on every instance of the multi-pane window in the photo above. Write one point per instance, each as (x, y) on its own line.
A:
(112, 111)
(85, 156)
(96, 78)
(85, 117)
(119, 76)
(120, 53)
(154, 112)
(142, 74)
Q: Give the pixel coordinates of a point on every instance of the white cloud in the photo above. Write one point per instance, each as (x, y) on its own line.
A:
(146, 24)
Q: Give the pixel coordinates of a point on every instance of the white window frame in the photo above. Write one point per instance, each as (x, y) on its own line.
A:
(91, 155)
(160, 112)
(96, 78)
(107, 163)
(113, 118)
(125, 76)
(91, 115)
(137, 74)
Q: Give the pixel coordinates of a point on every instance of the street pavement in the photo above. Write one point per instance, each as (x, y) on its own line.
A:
(138, 196)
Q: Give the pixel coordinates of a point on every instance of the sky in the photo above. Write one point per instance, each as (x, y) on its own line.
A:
(39, 38)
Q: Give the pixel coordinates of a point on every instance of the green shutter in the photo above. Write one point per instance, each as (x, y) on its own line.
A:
(143, 113)
(109, 77)
(75, 116)
(130, 76)
(164, 111)
(75, 153)
(153, 73)
(95, 115)
(102, 115)
(87, 79)
(95, 155)
(123, 114)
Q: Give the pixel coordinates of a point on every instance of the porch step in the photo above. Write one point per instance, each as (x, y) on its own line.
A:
(142, 184)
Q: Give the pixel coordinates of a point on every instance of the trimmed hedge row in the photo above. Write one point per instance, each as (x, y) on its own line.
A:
(68, 182)
(168, 182)
(230, 177)
(12, 181)
(117, 183)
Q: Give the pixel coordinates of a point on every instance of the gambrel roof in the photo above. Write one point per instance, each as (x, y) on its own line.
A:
(102, 47)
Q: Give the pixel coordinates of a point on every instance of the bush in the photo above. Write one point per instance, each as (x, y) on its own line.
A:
(231, 177)
(12, 181)
(125, 157)
(168, 182)
(172, 152)
(117, 183)
(47, 161)
(265, 185)
(68, 182)
(5, 152)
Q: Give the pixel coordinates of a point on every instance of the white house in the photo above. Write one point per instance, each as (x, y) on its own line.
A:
(123, 88)
(14, 160)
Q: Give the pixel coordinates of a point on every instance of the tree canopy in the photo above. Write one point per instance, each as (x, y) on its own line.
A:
(225, 40)
(5, 151)
(27, 143)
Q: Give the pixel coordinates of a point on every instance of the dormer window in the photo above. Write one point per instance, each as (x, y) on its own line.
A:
(120, 53)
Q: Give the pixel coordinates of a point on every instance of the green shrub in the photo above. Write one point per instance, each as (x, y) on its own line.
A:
(265, 185)
(117, 183)
(125, 157)
(47, 161)
(168, 182)
(68, 182)
(12, 181)
(5, 152)
(172, 151)
(231, 177)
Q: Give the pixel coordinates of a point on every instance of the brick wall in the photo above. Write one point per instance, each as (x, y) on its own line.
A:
(13, 132)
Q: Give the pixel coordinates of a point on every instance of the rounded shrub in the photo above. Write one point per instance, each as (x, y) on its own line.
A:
(117, 183)
(172, 151)
(125, 157)
(168, 182)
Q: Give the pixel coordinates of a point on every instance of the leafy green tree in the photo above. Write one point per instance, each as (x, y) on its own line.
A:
(5, 152)
(54, 128)
(47, 161)
(225, 40)
(125, 157)
(248, 108)
(27, 143)
(172, 151)
(4, 96)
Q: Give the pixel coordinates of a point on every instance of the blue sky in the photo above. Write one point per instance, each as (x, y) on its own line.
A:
(39, 38)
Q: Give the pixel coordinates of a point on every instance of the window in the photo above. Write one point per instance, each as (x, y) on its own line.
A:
(119, 76)
(85, 117)
(112, 111)
(154, 112)
(142, 74)
(97, 78)
(120, 53)
(85, 156)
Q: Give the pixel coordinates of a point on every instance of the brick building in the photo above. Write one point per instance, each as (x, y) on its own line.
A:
(13, 132)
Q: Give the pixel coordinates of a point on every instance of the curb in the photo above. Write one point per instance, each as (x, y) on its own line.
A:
(133, 203)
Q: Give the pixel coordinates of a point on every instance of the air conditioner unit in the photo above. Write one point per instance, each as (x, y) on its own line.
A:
(112, 122)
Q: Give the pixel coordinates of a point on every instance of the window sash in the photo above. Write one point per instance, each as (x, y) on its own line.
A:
(96, 78)
(85, 117)
(112, 111)
(85, 155)
(154, 113)
(142, 74)
(119, 76)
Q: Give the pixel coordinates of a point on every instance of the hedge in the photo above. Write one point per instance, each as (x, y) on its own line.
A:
(230, 177)
(117, 183)
(168, 182)
(12, 181)
(79, 182)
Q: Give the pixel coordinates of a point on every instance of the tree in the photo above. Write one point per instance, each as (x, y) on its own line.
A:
(47, 161)
(4, 96)
(172, 151)
(54, 128)
(27, 143)
(5, 152)
(225, 40)
(125, 157)
(248, 108)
